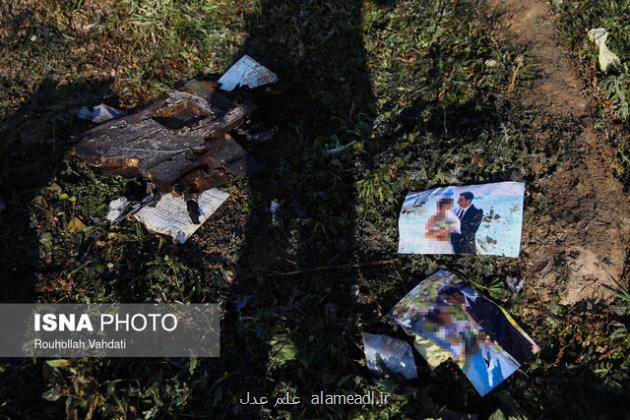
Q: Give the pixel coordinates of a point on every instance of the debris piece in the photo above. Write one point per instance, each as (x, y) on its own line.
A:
(274, 207)
(481, 337)
(170, 216)
(193, 211)
(177, 134)
(117, 209)
(226, 153)
(75, 225)
(515, 284)
(121, 207)
(475, 219)
(394, 354)
(607, 59)
(100, 113)
(200, 180)
(491, 63)
(246, 72)
(3, 206)
(259, 136)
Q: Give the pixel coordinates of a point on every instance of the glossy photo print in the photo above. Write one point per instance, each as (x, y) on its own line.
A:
(480, 336)
(470, 220)
(394, 354)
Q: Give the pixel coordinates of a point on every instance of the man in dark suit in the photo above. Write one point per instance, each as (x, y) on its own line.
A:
(470, 218)
(486, 316)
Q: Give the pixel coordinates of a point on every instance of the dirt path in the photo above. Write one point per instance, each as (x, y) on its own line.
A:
(577, 237)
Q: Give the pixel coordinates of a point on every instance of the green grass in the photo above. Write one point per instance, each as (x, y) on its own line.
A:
(403, 83)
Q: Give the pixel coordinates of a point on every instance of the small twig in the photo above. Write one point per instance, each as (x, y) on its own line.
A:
(335, 267)
(519, 64)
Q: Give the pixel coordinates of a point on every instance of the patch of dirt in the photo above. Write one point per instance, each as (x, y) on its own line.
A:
(578, 244)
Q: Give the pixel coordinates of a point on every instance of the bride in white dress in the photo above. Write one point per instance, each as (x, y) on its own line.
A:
(440, 226)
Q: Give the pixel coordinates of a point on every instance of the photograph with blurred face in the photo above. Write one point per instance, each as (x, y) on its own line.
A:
(470, 220)
(479, 335)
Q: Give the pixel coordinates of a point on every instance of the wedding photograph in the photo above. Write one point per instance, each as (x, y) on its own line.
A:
(470, 220)
(481, 337)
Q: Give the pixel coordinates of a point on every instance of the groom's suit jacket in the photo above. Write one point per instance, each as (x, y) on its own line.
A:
(464, 242)
(492, 321)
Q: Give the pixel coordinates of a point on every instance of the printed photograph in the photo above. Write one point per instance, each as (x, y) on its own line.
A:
(481, 337)
(469, 220)
(395, 355)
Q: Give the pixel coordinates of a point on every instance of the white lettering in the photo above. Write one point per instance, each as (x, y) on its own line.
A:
(142, 318)
(174, 322)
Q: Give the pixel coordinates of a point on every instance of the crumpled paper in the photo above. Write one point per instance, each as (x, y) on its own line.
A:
(170, 215)
(608, 60)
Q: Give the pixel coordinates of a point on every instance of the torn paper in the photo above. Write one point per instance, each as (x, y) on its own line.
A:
(170, 216)
(474, 220)
(481, 337)
(117, 209)
(607, 59)
(100, 113)
(395, 354)
(246, 72)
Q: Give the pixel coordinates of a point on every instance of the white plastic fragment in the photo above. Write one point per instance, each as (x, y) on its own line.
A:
(170, 214)
(491, 63)
(247, 72)
(117, 209)
(100, 113)
(607, 59)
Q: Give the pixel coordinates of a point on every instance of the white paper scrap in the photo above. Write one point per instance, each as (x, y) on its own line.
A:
(246, 72)
(170, 215)
(100, 113)
(607, 58)
(117, 209)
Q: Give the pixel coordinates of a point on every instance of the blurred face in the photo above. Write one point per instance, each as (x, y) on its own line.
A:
(445, 316)
(454, 299)
(462, 202)
(447, 206)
